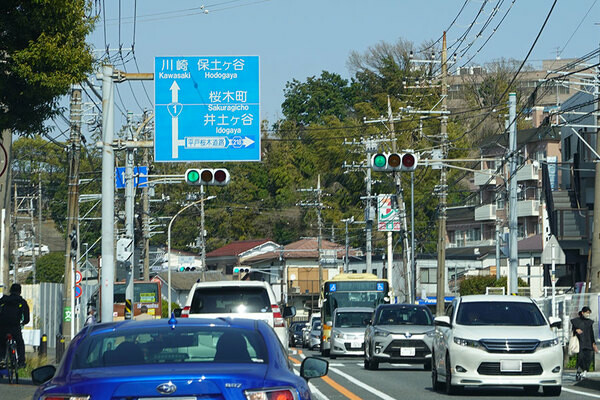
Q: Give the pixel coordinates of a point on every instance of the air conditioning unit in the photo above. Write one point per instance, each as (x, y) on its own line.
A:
(294, 289)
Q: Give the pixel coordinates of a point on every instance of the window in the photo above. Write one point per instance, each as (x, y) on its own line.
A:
(428, 275)
(474, 234)
(225, 300)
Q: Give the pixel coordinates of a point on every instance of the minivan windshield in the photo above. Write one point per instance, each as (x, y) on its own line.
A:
(352, 319)
(226, 300)
(499, 313)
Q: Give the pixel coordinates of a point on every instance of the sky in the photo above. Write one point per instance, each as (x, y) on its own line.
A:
(300, 39)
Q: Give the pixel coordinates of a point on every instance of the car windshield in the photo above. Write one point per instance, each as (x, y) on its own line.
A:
(352, 319)
(226, 300)
(298, 327)
(170, 346)
(316, 326)
(499, 313)
(404, 315)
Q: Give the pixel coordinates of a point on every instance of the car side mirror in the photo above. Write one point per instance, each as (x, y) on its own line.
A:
(177, 312)
(555, 322)
(313, 367)
(443, 321)
(289, 312)
(43, 374)
(329, 323)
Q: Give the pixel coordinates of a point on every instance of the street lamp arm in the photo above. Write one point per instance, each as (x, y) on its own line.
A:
(169, 244)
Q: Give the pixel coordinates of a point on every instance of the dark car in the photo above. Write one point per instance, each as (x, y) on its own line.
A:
(295, 333)
(186, 358)
(399, 333)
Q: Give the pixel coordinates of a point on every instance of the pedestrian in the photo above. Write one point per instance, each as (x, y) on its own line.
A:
(91, 317)
(14, 312)
(583, 328)
(143, 315)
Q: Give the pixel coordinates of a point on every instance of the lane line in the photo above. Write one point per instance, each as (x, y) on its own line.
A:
(315, 391)
(362, 385)
(295, 361)
(581, 393)
(340, 388)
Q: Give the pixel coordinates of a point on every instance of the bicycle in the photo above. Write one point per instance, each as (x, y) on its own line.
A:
(11, 360)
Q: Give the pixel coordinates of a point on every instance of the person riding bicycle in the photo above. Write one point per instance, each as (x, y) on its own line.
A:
(14, 312)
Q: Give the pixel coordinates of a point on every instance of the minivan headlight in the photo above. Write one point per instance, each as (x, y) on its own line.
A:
(338, 335)
(430, 333)
(549, 343)
(380, 333)
(468, 343)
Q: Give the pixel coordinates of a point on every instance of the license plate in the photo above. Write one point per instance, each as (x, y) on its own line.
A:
(169, 398)
(510, 366)
(355, 345)
(407, 351)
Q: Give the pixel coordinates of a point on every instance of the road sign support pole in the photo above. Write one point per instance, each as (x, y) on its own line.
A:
(553, 280)
(512, 210)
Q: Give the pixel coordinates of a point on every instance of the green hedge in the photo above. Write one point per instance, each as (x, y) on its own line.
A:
(477, 284)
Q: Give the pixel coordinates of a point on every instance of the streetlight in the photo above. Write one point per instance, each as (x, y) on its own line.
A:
(169, 243)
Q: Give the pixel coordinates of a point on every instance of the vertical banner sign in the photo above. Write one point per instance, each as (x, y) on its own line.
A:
(67, 314)
(206, 108)
(388, 217)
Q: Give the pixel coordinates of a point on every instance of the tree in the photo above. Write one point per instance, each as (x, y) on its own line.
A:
(477, 284)
(43, 52)
(51, 267)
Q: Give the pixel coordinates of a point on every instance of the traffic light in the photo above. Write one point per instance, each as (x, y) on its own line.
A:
(241, 270)
(186, 269)
(390, 162)
(207, 176)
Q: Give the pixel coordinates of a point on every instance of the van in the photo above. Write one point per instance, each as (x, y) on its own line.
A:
(238, 299)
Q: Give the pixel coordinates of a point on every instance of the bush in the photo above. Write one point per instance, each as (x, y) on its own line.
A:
(477, 284)
(165, 308)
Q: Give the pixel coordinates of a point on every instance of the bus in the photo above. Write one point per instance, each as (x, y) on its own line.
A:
(349, 290)
(145, 293)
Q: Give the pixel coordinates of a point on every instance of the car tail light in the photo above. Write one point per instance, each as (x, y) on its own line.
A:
(271, 394)
(66, 397)
(185, 313)
(278, 321)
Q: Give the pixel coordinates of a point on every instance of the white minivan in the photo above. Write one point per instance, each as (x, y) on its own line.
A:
(238, 299)
(496, 340)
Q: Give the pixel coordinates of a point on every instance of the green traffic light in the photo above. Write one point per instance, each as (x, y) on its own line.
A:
(379, 161)
(236, 270)
(181, 269)
(193, 176)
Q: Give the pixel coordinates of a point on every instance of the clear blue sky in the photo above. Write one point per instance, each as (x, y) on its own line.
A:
(298, 39)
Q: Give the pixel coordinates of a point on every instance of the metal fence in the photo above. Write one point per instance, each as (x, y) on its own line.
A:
(45, 302)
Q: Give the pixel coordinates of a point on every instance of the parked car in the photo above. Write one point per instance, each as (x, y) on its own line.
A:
(306, 331)
(238, 299)
(401, 333)
(221, 358)
(497, 340)
(314, 342)
(295, 333)
(348, 331)
(29, 251)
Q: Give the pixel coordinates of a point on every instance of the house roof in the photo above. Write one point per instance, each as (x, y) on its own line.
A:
(303, 248)
(532, 135)
(185, 280)
(531, 243)
(236, 248)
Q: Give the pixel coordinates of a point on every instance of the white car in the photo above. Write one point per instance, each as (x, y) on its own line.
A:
(496, 340)
(28, 251)
(238, 299)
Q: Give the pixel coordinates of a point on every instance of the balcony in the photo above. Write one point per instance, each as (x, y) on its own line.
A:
(485, 177)
(528, 172)
(528, 208)
(485, 213)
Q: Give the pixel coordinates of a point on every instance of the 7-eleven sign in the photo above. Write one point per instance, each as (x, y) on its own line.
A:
(388, 217)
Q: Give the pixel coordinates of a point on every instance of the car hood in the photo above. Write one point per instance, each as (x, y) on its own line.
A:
(413, 329)
(190, 380)
(477, 332)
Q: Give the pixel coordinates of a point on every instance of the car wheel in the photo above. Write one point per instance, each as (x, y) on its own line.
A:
(427, 365)
(436, 386)
(531, 389)
(551, 390)
(450, 388)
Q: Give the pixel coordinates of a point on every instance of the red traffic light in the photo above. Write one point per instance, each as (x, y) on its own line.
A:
(408, 161)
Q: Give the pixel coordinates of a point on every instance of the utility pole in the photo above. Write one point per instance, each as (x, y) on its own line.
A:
(513, 226)
(16, 230)
(595, 267)
(441, 245)
(146, 212)
(318, 205)
(108, 195)
(129, 220)
(498, 275)
(346, 257)
(33, 238)
(202, 237)
(39, 223)
(68, 326)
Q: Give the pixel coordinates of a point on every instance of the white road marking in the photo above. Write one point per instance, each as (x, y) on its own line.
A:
(315, 391)
(362, 385)
(581, 393)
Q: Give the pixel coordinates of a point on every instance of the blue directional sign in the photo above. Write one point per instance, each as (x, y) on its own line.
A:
(206, 108)
(140, 177)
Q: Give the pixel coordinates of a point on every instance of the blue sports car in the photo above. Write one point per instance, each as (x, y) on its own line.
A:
(185, 359)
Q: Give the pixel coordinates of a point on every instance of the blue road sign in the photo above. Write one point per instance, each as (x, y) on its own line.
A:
(206, 108)
(140, 177)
